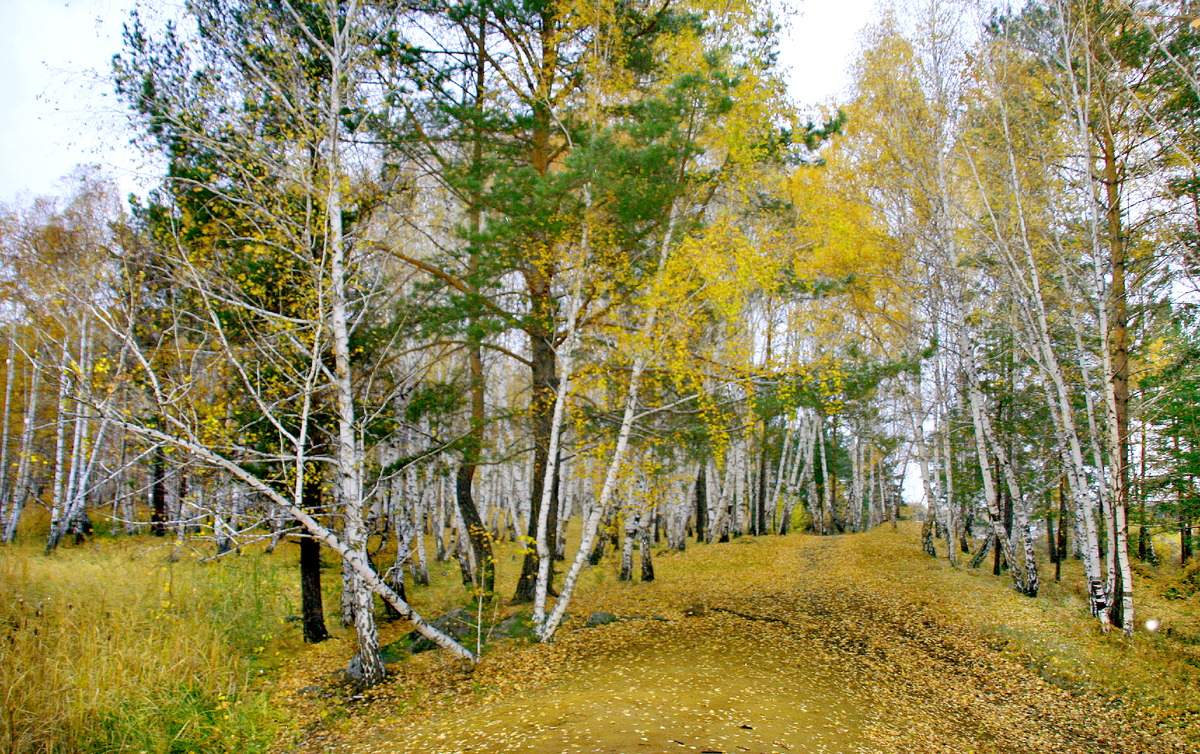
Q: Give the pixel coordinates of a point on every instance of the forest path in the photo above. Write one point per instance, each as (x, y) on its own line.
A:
(796, 644)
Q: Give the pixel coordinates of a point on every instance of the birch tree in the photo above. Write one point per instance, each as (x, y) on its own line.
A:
(256, 238)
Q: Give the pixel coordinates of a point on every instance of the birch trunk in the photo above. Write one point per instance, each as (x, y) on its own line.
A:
(873, 516)
(802, 471)
(367, 666)
(5, 481)
(644, 546)
(606, 495)
(422, 566)
(549, 483)
(632, 525)
(857, 483)
(780, 473)
(824, 507)
(20, 491)
(1029, 575)
(78, 498)
(922, 449)
(978, 417)
(1080, 99)
(60, 441)
(550, 625)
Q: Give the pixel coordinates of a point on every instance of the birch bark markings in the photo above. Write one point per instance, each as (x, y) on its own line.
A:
(60, 425)
(10, 372)
(25, 459)
(348, 453)
(545, 630)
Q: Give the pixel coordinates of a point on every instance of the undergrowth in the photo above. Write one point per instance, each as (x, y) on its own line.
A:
(105, 648)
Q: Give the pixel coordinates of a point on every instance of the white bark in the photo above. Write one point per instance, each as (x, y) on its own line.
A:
(824, 510)
(20, 490)
(10, 364)
(632, 525)
(606, 495)
(951, 517)
(566, 369)
(545, 630)
(348, 451)
(60, 439)
(979, 417)
(1114, 512)
(802, 470)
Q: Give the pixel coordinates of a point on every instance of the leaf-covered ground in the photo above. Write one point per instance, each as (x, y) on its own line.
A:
(841, 644)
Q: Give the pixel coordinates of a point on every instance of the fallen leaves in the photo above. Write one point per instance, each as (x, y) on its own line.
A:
(801, 644)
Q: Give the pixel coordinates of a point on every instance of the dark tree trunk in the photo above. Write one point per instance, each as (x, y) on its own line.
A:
(311, 598)
(1007, 513)
(158, 494)
(1051, 539)
(1185, 522)
(644, 551)
(701, 502)
(480, 542)
(967, 517)
(597, 553)
(983, 549)
(545, 386)
(310, 591)
(82, 525)
(1062, 528)
(552, 521)
(539, 272)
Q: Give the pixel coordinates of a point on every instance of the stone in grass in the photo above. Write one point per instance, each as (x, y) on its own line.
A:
(458, 624)
(516, 626)
(599, 619)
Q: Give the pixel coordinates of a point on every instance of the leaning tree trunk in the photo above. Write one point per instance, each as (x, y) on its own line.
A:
(985, 465)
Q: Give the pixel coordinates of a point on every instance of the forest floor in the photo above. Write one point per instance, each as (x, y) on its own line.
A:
(779, 644)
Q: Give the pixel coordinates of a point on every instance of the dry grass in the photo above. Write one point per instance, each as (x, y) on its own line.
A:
(107, 647)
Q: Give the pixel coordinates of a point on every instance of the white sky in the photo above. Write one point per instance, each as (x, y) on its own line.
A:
(59, 110)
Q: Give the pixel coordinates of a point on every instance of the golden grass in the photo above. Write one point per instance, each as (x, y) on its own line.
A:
(107, 648)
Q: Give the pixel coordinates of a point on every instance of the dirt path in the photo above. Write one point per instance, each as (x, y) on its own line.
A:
(769, 646)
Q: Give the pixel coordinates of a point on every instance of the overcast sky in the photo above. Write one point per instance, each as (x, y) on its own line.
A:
(59, 110)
